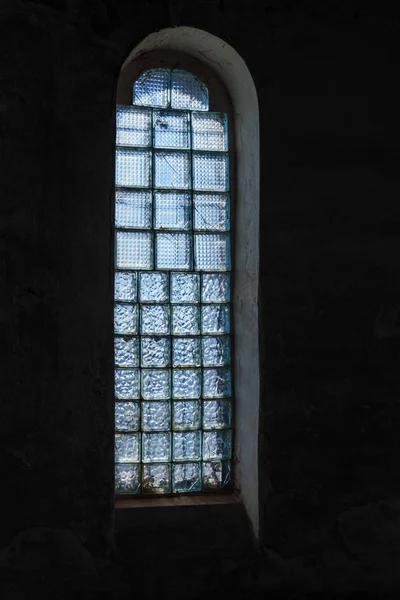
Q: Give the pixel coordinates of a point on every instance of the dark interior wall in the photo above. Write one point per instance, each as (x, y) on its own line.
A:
(327, 80)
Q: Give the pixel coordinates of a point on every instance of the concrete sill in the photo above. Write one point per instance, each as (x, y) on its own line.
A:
(182, 526)
(162, 501)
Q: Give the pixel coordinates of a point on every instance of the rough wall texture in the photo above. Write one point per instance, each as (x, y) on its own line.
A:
(327, 79)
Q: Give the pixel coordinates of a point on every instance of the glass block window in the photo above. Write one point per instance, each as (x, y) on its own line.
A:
(172, 315)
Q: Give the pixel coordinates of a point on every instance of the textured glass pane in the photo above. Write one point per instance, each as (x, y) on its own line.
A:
(125, 318)
(186, 383)
(153, 287)
(132, 209)
(154, 319)
(186, 352)
(125, 287)
(212, 252)
(171, 129)
(155, 352)
(215, 287)
(127, 416)
(188, 92)
(151, 89)
(156, 479)
(216, 474)
(127, 447)
(156, 447)
(133, 126)
(156, 384)
(126, 351)
(210, 131)
(215, 318)
(171, 169)
(127, 479)
(217, 414)
(186, 477)
(185, 320)
(186, 445)
(211, 212)
(216, 383)
(185, 287)
(172, 210)
(133, 168)
(126, 384)
(186, 414)
(173, 251)
(210, 172)
(134, 250)
(217, 444)
(216, 351)
(156, 416)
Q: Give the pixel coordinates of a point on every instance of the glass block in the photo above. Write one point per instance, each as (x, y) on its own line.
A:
(210, 131)
(212, 252)
(134, 250)
(156, 384)
(154, 319)
(173, 251)
(153, 287)
(216, 383)
(133, 209)
(172, 210)
(185, 287)
(215, 318)
(216, 351)
(127, 479)
(171, 129)
(186, 352)
(132, 168)
(211, 212)
(127, 447)
(185, 320)
(156, 416)
(210, 172)
(127, 416)
(216, 474)
(186, 383)
(156, 447)
(186, 414)
(126, 384)
(186, 477)
(217, 414)
(133, 126)
(186, 445)
(125, 286)
(172, 169)
(217, 444)
(215, 287)
(151, 89)
(126, 351)
(126, 318)
(188, 91)
(155, 352)
(156, 479)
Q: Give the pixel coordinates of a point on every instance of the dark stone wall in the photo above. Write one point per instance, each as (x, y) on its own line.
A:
(327, 79)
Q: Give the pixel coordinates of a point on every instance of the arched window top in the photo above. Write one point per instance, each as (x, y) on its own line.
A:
(170, 88)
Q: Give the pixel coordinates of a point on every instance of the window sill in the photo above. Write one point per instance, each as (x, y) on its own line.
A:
(187, 527)
(192, 500)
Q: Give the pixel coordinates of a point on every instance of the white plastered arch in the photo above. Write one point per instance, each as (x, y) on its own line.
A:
(234, 74)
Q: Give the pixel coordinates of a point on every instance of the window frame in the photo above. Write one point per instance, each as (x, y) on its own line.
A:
(230, 68)
(219, 101)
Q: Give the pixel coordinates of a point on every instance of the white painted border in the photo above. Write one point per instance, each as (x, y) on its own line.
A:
(232, 70)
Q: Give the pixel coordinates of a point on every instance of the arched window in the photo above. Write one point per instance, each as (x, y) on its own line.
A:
(173, 383)
(232, 91)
